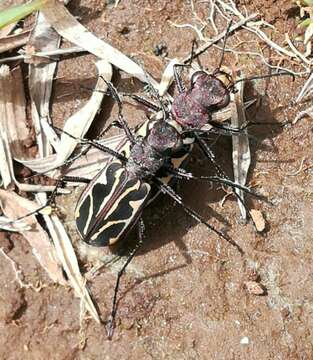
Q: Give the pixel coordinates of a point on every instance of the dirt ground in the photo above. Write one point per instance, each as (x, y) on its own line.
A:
(184, 295)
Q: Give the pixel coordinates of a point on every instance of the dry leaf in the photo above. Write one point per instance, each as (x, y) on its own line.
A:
(167, 77)
(13, 109)
(43, 38)
(13, 41)
(6, 170)
(13, 129)
(3, 5)
(13, 207)
(8, 225)
(94, 160)
(68, 27)
(67, 256)
(77, 125)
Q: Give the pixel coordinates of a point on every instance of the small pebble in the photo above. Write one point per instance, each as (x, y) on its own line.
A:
(245, 341)
(258, 220)
(254, 288)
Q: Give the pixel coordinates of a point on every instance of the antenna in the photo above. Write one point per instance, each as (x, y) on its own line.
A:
(281, 73)
(224, 44)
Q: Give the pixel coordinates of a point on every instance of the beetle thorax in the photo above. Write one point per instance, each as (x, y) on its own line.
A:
(144, 161)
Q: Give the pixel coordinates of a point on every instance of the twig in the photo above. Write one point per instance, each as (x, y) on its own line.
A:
(252, 53)
(199, 32)
(203, 23)
(306, 89)
(211, 16)
(301, 114)
(46, 54)
(18, 273)
(219, 37)
(299, 170)
(251, 28)
(296, 51)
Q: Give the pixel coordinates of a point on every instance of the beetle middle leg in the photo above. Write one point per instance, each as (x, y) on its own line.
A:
(208, 154)
(170, 192)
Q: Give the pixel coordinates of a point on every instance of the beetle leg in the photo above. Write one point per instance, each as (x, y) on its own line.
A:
(121, 119)
(143, 101)
(178, 79)
(181, 174)
(94, 144)
(170, 192)
(207, 152)
(51, 200)
(76, 179)
(111, 322)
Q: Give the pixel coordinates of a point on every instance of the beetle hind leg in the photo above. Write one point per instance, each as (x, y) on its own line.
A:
(111, 321)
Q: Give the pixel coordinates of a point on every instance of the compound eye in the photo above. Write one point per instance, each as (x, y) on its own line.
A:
(224, 101)
(198, 77)
(218, 93)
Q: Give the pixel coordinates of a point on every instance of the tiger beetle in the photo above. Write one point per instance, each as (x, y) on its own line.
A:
(148, 162)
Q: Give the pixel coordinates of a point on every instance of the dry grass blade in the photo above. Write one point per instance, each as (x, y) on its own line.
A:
(13, 129)
(43, 38)
(90, 164)
(241, 148)
(9, 225)
(3, 5)
(68, 259)
(167, 77)
(39, 57)
(6, 168)
(77, 125)
(12, 109)
(306, 89)
(68, 27)
(14, 41)
(14, 207)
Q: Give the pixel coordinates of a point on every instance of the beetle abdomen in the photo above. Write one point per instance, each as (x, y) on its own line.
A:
(109, 208)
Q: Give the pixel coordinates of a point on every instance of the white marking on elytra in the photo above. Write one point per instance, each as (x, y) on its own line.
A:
(135, 205)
